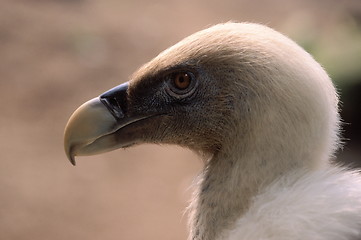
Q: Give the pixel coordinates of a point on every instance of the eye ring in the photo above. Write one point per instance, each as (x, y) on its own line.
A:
(181, 84)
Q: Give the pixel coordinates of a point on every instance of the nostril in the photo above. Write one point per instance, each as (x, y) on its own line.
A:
(113, 106)
(115, 100)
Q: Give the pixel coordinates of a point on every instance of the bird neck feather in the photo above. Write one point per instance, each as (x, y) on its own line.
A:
(228, 184)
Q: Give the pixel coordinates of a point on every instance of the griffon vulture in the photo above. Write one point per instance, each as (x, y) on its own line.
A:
(263, 111)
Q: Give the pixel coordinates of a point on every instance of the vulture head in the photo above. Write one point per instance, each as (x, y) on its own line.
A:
(247, 97)
(230, 88)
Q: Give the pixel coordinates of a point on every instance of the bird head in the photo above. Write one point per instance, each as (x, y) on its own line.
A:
(230, 86)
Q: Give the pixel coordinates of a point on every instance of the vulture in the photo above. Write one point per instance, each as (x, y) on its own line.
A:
(262, 113)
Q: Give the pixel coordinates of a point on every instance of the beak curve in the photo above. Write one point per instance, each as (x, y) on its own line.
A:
(90, 128)
(109, 122)
(89, 122)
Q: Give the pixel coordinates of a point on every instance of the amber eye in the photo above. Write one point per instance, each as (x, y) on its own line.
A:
(181, 84)
(182, 81)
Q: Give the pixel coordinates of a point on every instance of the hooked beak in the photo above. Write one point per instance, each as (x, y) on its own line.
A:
(84, 128)
(91, 128)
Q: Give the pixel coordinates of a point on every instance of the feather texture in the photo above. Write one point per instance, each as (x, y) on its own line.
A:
(319, 205)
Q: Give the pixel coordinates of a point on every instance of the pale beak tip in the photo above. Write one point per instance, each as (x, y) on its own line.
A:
(72, 161)
(71, 157)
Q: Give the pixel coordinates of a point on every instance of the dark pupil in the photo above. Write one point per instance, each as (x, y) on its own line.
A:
(182, 81)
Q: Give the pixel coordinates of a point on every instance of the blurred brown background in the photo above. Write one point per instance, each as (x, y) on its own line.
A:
(56, 54)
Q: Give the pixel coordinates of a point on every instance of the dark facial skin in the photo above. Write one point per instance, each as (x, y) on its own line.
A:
(178, 107)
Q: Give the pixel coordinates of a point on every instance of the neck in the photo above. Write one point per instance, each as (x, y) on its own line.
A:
(258, 157)
(226, 187)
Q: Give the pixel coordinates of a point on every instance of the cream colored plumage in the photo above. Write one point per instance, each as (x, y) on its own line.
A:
(266, 115)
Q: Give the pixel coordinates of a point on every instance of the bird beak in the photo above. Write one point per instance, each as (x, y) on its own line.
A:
(91, 128)
(89, 122)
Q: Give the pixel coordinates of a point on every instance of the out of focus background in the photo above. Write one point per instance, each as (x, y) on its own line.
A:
(56, 54)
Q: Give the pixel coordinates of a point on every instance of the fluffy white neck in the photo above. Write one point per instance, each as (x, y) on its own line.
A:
(227, 186)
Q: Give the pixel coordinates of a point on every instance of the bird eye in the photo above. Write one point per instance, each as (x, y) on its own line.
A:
(181, 84)
(182, 81)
